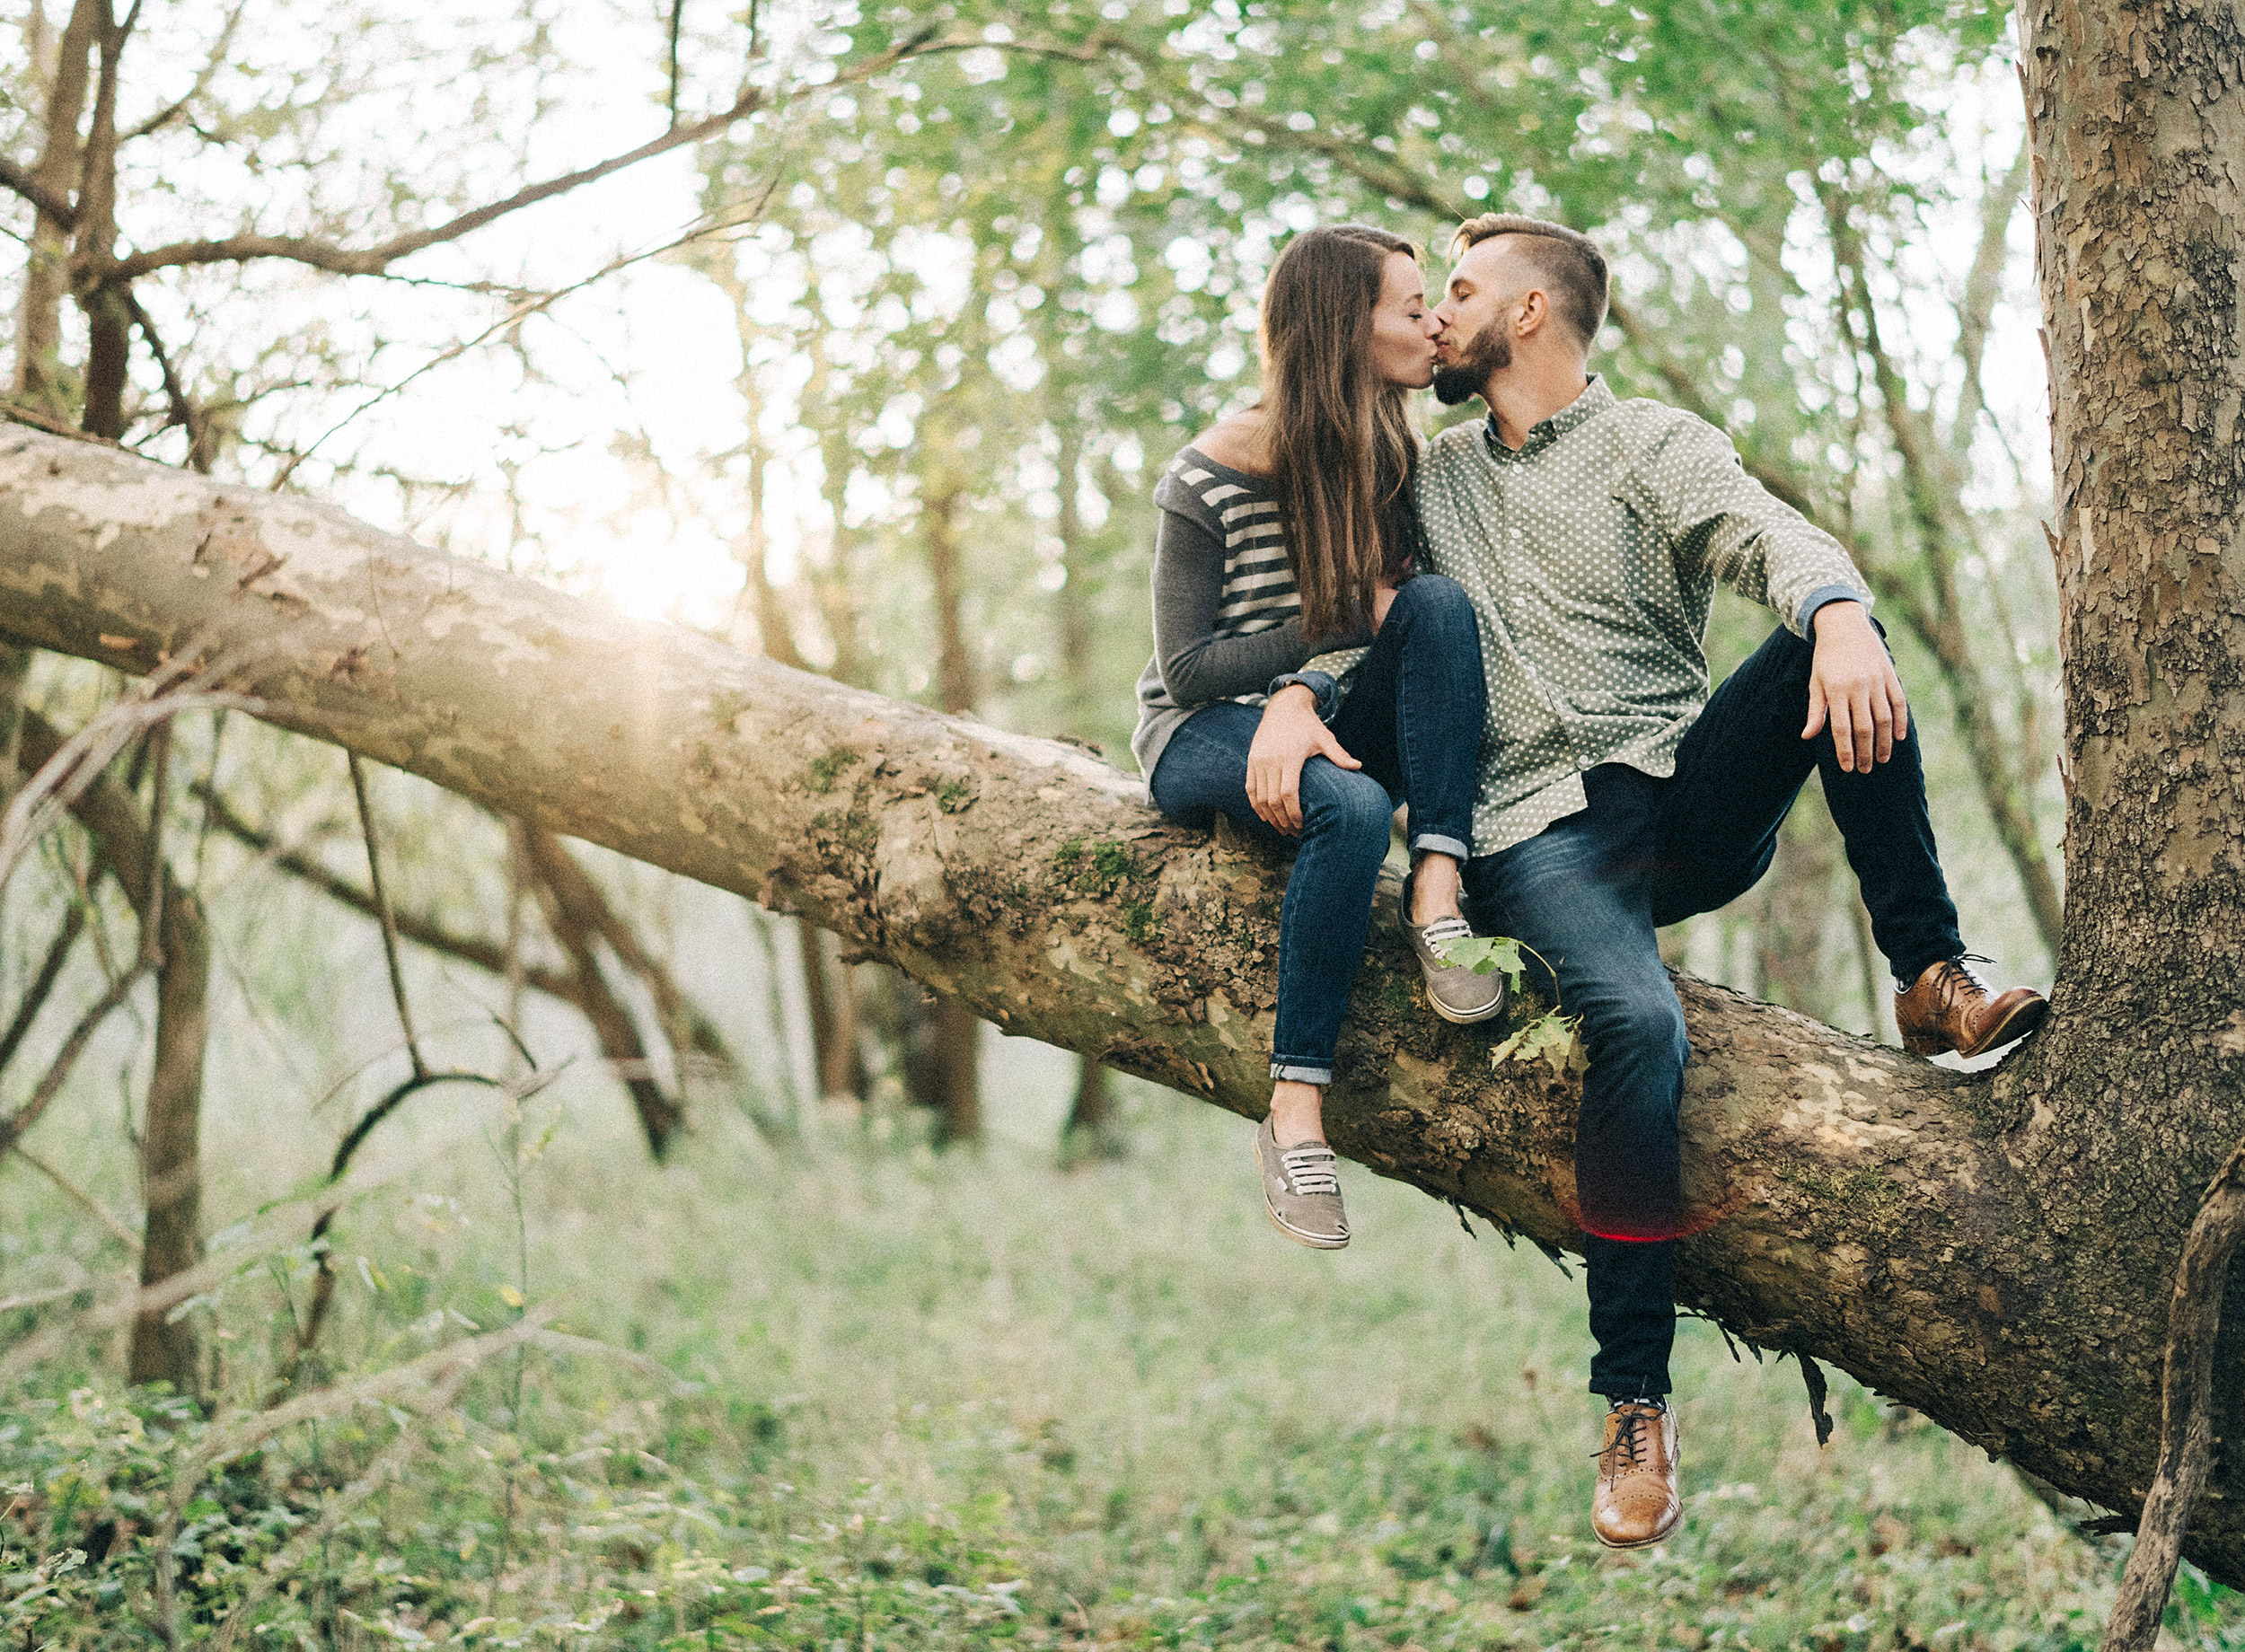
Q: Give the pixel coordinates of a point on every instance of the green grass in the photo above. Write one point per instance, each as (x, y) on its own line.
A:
(892, 1400)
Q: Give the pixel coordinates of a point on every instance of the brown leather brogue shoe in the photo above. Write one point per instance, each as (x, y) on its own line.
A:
(1635, 1504)
(1951, 1008)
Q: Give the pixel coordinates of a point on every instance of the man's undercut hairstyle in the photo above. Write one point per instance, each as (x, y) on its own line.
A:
(1573, 268)
(1342, 454)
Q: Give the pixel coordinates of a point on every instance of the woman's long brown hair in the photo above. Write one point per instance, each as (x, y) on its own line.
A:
(1342, 449)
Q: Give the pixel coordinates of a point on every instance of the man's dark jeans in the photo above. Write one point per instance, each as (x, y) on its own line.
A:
(1412, 717)
(1588, 892)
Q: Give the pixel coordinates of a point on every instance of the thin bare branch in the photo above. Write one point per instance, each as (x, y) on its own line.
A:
(164, 116)
(678, 19)
(181, 405)
(101, 1212)
(35, 995)
(85, 754)
(373, 260)
(16, 413)
(2185, 1454)
(513, 318)
(55, 206)
(420, 930)
(13, 1127)
(383, 914)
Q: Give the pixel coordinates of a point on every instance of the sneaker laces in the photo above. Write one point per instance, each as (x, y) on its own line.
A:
(1310, 1169)
(1442, 931)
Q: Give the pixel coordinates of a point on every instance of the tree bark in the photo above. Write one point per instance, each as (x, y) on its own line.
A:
(2128, 1103)
(1990, 1249)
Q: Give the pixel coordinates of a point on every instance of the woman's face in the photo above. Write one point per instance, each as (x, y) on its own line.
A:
(1403, 330)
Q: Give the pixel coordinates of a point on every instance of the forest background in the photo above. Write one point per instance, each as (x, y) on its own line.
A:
(858, 338)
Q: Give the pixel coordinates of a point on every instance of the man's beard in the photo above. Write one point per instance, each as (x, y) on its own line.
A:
(1490, 351)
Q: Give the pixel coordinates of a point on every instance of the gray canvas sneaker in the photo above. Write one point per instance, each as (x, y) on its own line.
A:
(1455, 991)
(1301, 1192)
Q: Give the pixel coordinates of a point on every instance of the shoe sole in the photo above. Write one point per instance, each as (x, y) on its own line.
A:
(1461, 1018)
(1313, 1242)
(2020, 1022)
(1662, 1536)
(1307, 1241)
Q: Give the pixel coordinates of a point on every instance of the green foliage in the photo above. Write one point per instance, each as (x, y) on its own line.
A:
(1552, 1037)
(912, 1402)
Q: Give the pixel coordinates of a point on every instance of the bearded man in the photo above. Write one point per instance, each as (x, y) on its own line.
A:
(1618, 795)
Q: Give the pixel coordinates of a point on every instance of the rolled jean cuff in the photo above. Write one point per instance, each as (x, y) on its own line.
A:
(1436, 843)
(1612, 1388)
(1301, 1072)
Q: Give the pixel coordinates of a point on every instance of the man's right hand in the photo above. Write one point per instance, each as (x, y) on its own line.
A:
(1289, 736)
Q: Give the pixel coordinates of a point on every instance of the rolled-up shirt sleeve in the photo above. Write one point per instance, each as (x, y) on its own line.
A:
(1740, 534)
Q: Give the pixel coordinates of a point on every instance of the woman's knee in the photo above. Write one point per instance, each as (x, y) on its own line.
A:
(1346, 804)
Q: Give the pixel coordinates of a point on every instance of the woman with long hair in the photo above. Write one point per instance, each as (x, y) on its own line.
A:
(1305, 681)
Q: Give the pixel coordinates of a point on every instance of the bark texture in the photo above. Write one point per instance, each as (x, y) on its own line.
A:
(2127, 1106)
(1992, 1250)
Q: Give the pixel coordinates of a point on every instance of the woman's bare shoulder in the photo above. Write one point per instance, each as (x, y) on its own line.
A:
(1237, 443)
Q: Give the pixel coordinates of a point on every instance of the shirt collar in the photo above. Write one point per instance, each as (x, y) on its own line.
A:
(1595, 399)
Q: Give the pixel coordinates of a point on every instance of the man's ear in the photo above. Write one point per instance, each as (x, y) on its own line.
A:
(1535, 312)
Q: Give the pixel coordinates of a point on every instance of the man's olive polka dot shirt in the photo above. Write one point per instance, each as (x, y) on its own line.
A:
(1591, 556)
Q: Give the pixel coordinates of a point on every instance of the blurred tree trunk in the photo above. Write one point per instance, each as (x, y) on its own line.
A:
(164, 1350)
(1092, 1129)
(40, 382)
(830, 988)
(949, 1072)
(577, 915)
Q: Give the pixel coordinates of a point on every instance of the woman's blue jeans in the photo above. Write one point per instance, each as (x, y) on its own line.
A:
(1588, 893)
(1412, 717)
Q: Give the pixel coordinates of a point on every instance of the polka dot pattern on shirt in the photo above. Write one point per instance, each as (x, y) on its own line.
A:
(1591, 556)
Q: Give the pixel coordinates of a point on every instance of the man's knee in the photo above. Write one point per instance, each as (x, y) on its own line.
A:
(1638, 1024)
(1433, 599)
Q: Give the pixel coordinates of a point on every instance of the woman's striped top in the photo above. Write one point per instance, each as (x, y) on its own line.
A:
(1226, 615)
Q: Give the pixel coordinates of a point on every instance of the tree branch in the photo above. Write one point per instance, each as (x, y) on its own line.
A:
(2185, 1456)
(35, 995)
(93, 1207)
(558, 892)
(417, 927)
(54, 204)
(373, 260)
(211, 65)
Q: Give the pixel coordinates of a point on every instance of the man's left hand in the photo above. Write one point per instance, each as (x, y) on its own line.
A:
(1852, 683)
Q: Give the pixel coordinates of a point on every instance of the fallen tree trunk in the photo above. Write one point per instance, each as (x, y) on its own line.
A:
(1921, 1228)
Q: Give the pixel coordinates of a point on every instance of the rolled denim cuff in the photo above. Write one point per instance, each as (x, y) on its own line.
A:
(1318, 683)
(1435, 843)
(1301, 1074)
(1806, 618)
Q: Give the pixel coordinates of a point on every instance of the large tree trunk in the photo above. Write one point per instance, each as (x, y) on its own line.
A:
(2133, 1097)
(1992, 1249)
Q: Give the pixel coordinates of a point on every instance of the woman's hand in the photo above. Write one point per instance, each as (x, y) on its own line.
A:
(1383, 599)
(1289, 736)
